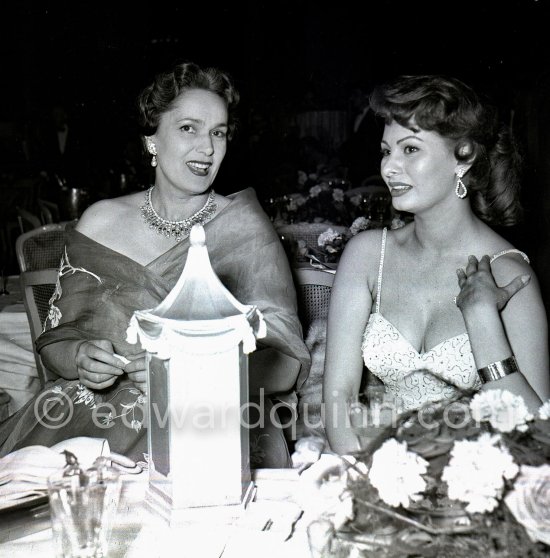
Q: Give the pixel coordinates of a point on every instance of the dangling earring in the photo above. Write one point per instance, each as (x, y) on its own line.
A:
(459, 184)
(152, 148)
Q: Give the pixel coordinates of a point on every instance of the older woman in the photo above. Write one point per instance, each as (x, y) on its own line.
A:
(445, 159)
(127, 253)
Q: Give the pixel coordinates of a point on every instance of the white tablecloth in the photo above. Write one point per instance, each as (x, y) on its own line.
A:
(18, 376)
(139, 533)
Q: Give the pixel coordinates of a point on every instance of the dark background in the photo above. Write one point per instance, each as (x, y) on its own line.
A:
(286, 58)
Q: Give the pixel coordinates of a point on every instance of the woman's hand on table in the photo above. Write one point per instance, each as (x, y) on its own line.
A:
(97, 366)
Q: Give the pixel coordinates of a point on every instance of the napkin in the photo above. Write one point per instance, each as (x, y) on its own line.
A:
(24, 472)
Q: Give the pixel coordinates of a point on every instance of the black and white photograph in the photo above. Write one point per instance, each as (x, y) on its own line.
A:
(275, 279)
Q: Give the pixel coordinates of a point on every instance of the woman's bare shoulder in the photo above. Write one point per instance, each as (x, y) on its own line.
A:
(362, 254)
(105, 214)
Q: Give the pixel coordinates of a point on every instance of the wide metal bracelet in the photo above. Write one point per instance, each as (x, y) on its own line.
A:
(498, 369)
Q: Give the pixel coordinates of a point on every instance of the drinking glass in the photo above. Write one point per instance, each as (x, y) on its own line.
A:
(83, 510)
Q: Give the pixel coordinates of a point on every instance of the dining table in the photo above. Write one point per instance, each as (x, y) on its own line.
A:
(273, 524)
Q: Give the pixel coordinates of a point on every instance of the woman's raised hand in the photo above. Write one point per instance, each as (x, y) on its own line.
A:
(478, 286)
(97, 366)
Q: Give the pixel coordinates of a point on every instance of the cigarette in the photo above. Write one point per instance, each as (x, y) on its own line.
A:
(120, 357)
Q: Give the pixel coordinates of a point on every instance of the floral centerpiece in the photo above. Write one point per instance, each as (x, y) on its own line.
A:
(462, 479)
(324, 198)
(331, 243)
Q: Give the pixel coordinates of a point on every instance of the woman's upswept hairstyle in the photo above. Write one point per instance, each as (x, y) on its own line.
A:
(452, 109)
(157, 98)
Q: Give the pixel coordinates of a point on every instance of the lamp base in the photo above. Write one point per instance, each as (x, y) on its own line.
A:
(160, 505)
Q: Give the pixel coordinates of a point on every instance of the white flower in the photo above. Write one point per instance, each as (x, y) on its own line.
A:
(529, 501)
(544, 411)
(360, 224)
(323, 491)
(338, 194)
(396, 473)
(502, 409)
(327, 237)
(476, 472)
(314, 191)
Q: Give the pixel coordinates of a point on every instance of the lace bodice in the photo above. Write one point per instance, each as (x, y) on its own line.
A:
(411, 377)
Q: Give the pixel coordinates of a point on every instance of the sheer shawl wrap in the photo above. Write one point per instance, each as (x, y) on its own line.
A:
(100, 289)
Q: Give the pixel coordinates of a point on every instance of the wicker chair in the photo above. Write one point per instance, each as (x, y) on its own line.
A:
(39, 255)
(308, 232)
(313, 288)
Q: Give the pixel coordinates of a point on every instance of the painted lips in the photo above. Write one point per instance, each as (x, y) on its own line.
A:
(397, 190)
(197, 168)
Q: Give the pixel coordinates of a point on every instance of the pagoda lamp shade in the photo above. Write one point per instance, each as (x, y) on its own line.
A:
(197, 341)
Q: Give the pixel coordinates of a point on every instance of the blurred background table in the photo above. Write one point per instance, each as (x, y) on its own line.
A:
(18, 375)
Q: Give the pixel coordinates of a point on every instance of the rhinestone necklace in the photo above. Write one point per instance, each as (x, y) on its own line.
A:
(178, 229)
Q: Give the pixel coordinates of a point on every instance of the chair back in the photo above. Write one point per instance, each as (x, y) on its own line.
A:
(39, 254)
(38, 287)
(27, 220)
(308, 232)
(40, 248)
(313, 288)
(49, 211)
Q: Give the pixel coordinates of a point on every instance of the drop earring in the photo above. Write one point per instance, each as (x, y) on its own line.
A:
(152, 148)
(459, 184)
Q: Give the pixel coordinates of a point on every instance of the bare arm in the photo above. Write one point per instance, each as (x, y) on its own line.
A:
(506, 321)
(350, 307)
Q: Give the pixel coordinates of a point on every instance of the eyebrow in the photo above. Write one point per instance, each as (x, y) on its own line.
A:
(200, 121)
(404, 139)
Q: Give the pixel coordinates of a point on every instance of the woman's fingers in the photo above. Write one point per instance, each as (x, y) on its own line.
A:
(461, 274)
(97, 366)
(478, 286)
(484, 263)
(471, 267)
(93, 384)
(138, 365)
(140, 376)
(514, 286)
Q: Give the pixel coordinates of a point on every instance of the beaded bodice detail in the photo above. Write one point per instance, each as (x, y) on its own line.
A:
(414, 378)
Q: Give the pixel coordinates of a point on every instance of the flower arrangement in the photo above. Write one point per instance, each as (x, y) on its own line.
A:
(331, 243)
(465, 478)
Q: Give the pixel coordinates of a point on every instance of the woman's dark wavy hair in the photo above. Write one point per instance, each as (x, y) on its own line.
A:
(452, 109)
(157, 98)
